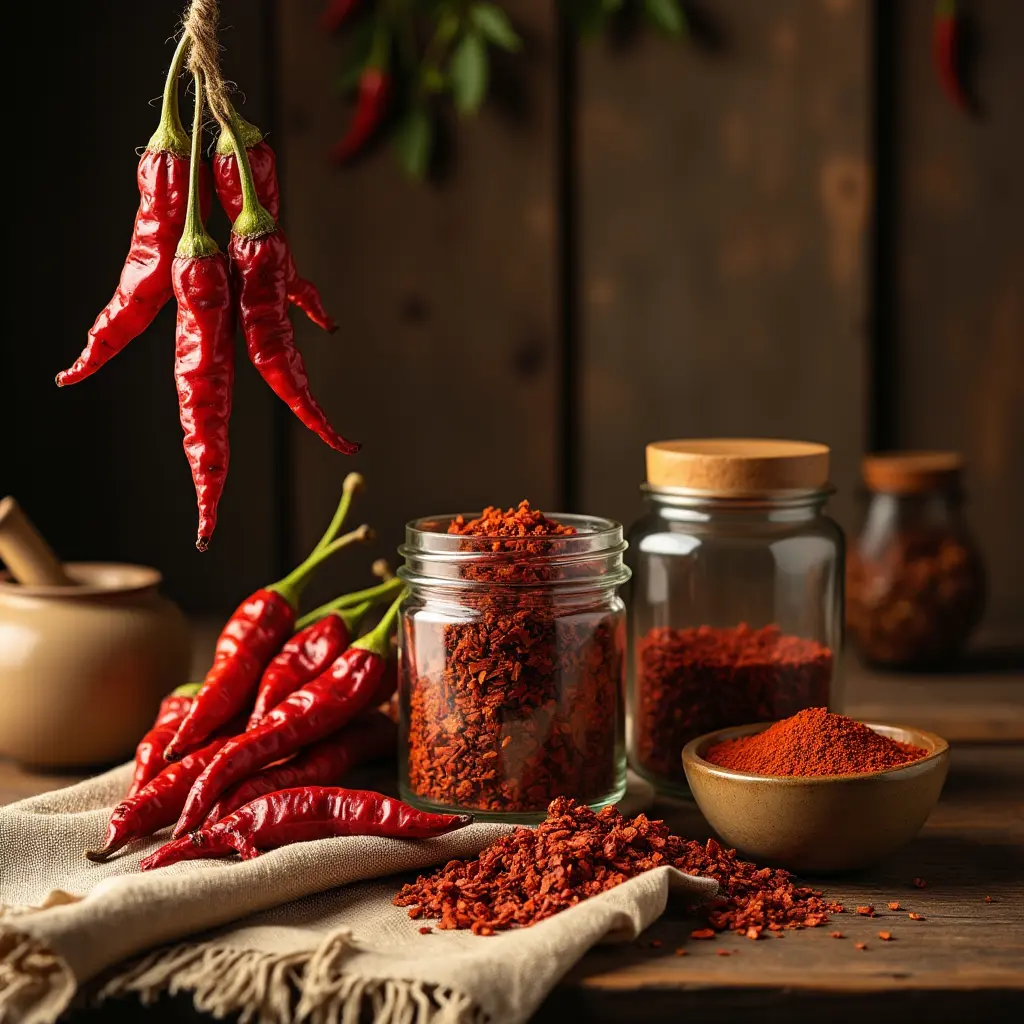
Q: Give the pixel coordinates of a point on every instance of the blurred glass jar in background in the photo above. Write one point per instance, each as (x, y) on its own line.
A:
(736, 601)
(915, 585)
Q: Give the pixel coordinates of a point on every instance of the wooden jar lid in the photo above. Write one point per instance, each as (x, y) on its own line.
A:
(912, 472)
(737, 466)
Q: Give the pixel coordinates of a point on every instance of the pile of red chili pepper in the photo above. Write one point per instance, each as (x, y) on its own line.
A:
(694, 680)
(576, 853)
(518, 703)
(250, 759)
(254, 284)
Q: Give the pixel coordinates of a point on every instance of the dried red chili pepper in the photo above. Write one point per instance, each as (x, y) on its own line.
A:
(260, 255)
(695, 680)
(370, 736)
(318, 709)
(576, 853)
(337, 12)
(252, 635)
(302, 815)
(145, 285)
(204, 351)
(157, 804)
(814, 742)
(227, 180)
(519, 701)
(320, 637)
(946, 52)
(372, 104)
(149, 754)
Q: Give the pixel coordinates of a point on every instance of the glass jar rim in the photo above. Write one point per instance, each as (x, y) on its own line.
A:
(688, 497)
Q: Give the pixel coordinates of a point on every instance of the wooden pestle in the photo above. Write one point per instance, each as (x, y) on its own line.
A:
(29, 559)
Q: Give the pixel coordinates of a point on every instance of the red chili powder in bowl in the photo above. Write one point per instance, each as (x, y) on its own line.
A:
(576, 853)
(813, 742)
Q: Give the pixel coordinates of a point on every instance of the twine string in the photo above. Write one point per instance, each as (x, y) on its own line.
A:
(202, 24)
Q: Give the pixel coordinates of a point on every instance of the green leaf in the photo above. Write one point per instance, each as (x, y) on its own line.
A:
(468, 72)
(667, 15)
(433, 81)
(414, 141)
(493, 24)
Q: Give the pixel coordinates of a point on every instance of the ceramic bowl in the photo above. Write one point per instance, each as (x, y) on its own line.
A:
(818, 824)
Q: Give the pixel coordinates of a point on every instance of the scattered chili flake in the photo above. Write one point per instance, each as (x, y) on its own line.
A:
(692, 681)
(426, 930)
(860, 945)
(920, 883)
(531, 874)
(916, 917)
(885, 936)
(655, 943)
(724, 952)
(988, 899)
(894, 905)
(868, 911)
(753, 932)
(518, 702)
(680, 951)
(836, 935)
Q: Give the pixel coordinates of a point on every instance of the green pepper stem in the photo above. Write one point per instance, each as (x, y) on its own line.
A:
(290, 588)
(196, 241)
(253, 220)
(369, 596)
(378, 640)
(352, 485)
(353, 616)
(251, 136)
(170, 136)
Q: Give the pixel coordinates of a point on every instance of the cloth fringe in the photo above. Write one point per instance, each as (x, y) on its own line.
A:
(262, 987)
(36, 985)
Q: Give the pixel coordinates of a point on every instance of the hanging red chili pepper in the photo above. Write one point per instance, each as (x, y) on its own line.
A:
(304, 814)
(149, 754)
(372, 103)
(145, 285)
(204, 353)
(370, 736)
(259, 253)
(320, 637)
(337, 12)
(263, 164)
(311, 713)
(946, 52)
(157, 804)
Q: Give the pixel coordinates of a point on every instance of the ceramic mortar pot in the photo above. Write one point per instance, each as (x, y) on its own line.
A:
(818, 824)
(83, 667)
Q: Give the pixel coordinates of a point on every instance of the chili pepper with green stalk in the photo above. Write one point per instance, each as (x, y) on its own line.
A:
(319, 638)
(204, 351)
(145, 285)
(228, 181)
(251, 637)
(149, 754)
(372, 735)
(302, 815)
(373, 99)
(946, 52)
(311, 713)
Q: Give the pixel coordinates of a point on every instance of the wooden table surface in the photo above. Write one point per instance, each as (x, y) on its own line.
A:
(964, 961)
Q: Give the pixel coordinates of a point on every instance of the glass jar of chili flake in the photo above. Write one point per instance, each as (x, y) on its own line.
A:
(512, 663)
(736, 607)
(915, 584)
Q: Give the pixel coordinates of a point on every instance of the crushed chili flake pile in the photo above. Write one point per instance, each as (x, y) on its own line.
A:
(521, 701)
(576, 853)
(814, 742)
(694, 680)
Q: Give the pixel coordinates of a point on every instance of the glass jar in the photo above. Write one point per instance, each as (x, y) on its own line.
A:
(915, 582)
(737, 595)
(511, 669)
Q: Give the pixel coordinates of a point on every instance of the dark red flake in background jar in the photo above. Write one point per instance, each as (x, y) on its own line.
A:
(521, 701)
(692, 681)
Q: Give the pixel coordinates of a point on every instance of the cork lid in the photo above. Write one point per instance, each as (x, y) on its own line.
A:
(912, 472)
(737, 466)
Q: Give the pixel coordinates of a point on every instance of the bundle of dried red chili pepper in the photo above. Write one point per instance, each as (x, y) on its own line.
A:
(514, 698)
(149, 754)
(576, 853)
(692, 681)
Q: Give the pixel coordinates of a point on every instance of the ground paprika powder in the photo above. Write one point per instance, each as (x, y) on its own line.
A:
(814, 742)
(512, 673)
(576, 853)
(695, 680)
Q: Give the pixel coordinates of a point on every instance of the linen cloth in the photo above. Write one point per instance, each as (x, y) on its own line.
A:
(304, 932)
